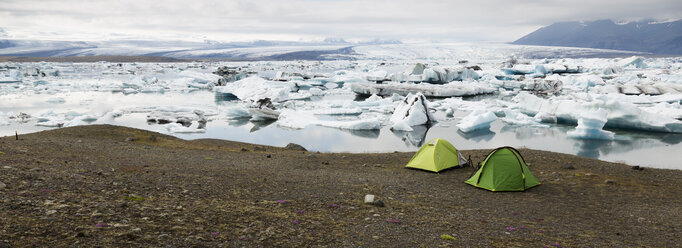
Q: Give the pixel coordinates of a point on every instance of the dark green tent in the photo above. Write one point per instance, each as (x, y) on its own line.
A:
(503, 170)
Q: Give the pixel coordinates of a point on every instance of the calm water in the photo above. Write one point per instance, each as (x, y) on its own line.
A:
(634, 148)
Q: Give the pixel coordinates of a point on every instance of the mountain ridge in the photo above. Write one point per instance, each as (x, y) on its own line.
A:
(642, 36)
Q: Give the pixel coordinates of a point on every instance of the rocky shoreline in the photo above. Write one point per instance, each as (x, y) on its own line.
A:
(108, 186)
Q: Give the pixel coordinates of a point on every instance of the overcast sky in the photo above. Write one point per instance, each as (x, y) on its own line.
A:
(240, 20)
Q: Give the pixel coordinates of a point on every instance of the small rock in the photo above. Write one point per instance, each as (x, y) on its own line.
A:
(379, 203)
(51, 212)
(259, 148)
(369, 199)
(2, 185)
(129, 139)
(137, 230)
(130, 236)
(245, 150)
(163, 236)
(311, 155)
(375, 237)
(295, 147)
(268, 156)
(609, 181)
(636, 167)
(567, 167)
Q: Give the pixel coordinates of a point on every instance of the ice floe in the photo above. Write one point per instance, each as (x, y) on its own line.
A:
(430, 90)
(620, 114)
(476, 120)
(590, 126)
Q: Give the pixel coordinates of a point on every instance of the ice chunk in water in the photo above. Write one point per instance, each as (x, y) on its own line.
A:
(237, 113)
(634, 61)
(402, 125)
(10, 76)
(414, 110)
(256, 88)
(300, 119)
(515, 117)
(621, 114)
(478, 119)
(590, 126)
(179, 128)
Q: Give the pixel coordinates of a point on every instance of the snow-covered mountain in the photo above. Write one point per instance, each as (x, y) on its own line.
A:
(643, 36)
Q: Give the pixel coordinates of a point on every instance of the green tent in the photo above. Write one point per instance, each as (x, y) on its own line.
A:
(503, 170)
(436, 155)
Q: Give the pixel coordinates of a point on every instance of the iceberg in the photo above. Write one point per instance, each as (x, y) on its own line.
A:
(435, 75)
(476, 120)
(179, 128)
(200, 77)
(590, 126)
(412, 111)
(300, 119)
(634, 61)
(255, 88)
(237, 113)
(377, 76)
(620, 114)
(430, 90)
(182, 115)
(515, 117)
(10, 76)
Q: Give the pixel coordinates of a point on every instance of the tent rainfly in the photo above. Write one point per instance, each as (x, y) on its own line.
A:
(503, 170)
(436, 155)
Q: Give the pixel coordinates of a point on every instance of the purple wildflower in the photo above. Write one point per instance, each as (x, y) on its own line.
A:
(511, 228)
(393, 220)
(295, 222)
(102, 224)
(281, 201)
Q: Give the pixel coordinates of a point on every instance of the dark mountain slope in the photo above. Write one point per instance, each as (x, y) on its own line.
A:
(643, 36)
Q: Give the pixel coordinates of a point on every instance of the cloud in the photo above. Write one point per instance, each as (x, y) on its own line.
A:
(491, 20)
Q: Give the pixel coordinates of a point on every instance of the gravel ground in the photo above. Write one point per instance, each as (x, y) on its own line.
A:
(107, 186)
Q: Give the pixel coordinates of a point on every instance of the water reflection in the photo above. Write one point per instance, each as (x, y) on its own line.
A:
(371, 134)
(481, 135)
(238, 122)
(257, 125)
(415, 138)
(524, 133)
(590, 148)
(672, 139)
